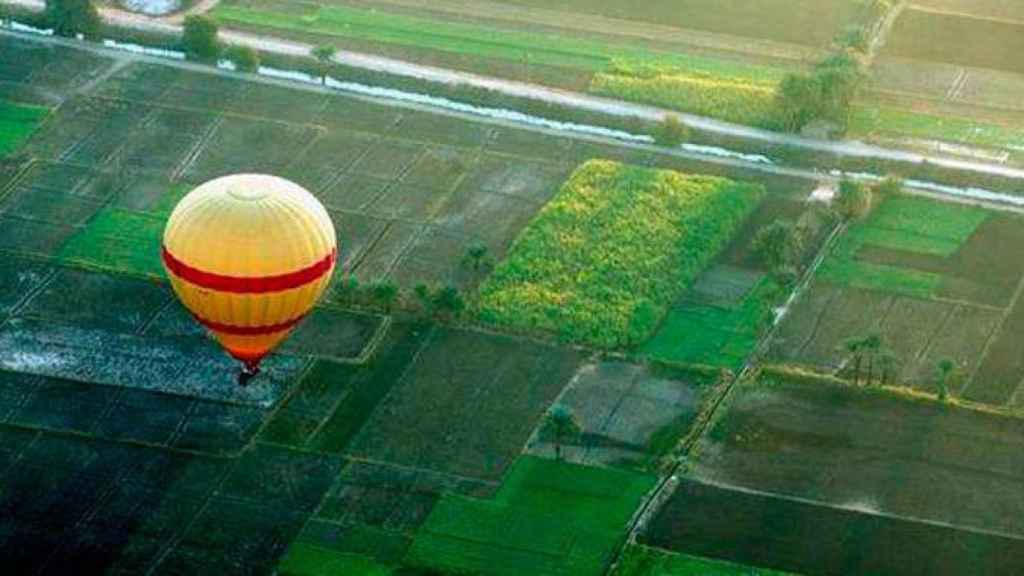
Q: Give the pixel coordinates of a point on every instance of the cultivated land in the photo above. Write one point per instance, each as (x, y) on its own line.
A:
(880, 464)
(928, 278)
(378, 440)
(126, 446)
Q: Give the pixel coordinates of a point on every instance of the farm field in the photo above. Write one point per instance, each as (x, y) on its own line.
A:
(17, 123)
(720, 318)
(370, 441)
(689, 79)
(629, 415)
(640, 560)
(985, 42)
(548, 518)
(567, 272)
(804, 21)
(998, 9)
(841, 466)
(925, 277)
(628, 288)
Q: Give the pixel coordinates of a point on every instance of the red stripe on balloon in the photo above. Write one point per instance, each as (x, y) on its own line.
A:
(248, 330)
(249, 284)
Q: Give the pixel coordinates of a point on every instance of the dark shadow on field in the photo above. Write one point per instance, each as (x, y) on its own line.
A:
(75, 506)
(871, 450)
(773, 532)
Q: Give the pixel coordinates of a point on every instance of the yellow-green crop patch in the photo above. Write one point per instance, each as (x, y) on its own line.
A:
(602, 263)
(742, 96)
(17, 122)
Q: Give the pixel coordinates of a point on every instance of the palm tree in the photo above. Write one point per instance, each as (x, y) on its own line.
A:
(872, 346)
(855, 347)
(945, 373)
(561, 425)
(324, 53)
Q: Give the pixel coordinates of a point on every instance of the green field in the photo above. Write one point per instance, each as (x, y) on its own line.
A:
(696, 333)
(548, 518)
(880, 120)
(124, 240)
(640, 560)
(610, 253)
(456, 37)
(17, 122)
(901, 224)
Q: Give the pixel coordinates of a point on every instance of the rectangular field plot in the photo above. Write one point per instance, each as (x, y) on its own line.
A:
(628, 413)
(760, 529)
(548, 518)
(887, 250)
(870, 450)
(333, 400)
(719, 319)
(810, 22)
(982, 42)
(188, 367)
(100, 300)
(17, 122)
(567, 272)
(427, 420)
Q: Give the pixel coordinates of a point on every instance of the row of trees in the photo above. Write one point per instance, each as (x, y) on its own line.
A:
(873, 362)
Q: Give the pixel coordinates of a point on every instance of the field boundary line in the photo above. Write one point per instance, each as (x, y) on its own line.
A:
(666, 486)
(879, 514)
(1014, 302)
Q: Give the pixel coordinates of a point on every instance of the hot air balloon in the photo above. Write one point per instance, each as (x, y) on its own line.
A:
(249, 255)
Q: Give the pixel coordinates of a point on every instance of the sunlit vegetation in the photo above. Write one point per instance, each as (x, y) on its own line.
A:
(730, 93)
(604, 260)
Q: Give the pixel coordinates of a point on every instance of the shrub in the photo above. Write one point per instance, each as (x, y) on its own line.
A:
(607, 257)
(200, 38)
(72, 17)
(777, 245)
(671, 132)
(853, 201)
(245, 58)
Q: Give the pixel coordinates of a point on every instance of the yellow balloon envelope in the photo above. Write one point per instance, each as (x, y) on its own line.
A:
(249, 255)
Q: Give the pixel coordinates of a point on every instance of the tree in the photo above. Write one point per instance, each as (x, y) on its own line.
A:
(871, 346)
(324, 53)
(826, 93)
(245, 58)
(560, 426)
(853, 200)
(72, 17)
(887, 364)
(943, 377)
(478, 258)
(347, 290)
(449, 300)
(797, 101)
(386, 293)
(777, 245)
(855, 347)
(671, 132)
(426, 303)
(200, 38)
